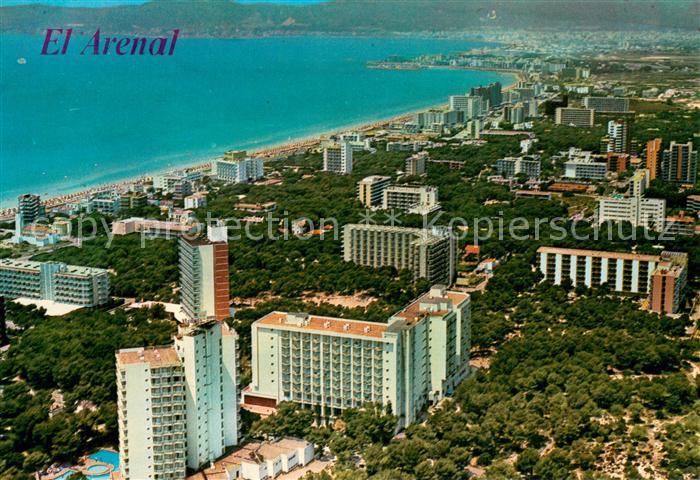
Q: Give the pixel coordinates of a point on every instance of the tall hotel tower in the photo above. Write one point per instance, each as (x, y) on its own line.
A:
(178, 405)
(204, 286)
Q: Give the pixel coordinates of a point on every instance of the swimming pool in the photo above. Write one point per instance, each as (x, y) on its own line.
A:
(98, 468)
(65, 475)
(106, 456)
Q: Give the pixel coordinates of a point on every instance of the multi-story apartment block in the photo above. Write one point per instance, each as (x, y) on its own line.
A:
(653, 163)
(649, 213)
(370, 190)
(108, 203)
(584, 166)
(29, 208)
(133, 200)
(693, 203)
(232, 169)
(420, 199)
(151, 412)
(528, 165)
(415, 164)
(617, 162)
(491, 95)
(208, 351)
(667, 283)
(680, 163)
(427, 253)
(337, 158)
(662, 277)
(469, 105)
(204, 281)
(618, 137)
(178, 405)
(415, 359)
(177, 183)
(639, 182)
(607, 104)
(574, 117)
(55, 281)
(679, 226)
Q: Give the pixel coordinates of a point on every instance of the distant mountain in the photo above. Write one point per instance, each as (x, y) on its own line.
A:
(224, 18)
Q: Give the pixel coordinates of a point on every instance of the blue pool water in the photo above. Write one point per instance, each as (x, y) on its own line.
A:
(65, 475)
(98, 469)
(72, 121)
(106, 456)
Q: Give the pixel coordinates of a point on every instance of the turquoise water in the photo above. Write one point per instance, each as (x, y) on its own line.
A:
(65, 475)
(97, 468)
(68, 122)
(107, 456)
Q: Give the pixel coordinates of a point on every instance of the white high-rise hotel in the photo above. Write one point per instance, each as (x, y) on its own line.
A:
(178, 405)
(415, 359)
(337, 158)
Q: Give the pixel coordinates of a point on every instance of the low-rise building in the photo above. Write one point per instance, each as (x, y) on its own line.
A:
(196, 200)
(259, 460)
(256, 207)
(55, 281)
(414, 360)
(151, 227)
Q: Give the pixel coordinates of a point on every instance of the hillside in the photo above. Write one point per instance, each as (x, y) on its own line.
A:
(224, 18)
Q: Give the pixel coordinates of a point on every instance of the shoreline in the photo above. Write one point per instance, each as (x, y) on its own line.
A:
(284, 148)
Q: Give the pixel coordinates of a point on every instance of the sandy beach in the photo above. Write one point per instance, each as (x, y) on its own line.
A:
(270, 151)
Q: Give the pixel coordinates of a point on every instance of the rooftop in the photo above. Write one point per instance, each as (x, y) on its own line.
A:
(255, 452)
(303, 321)
(438, 301)
(30, 265)
(374, 178)
(599, 253)
(154, 356)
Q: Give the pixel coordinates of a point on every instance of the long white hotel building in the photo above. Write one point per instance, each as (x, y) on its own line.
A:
(415, 359)
(624, 272)
(54, 281)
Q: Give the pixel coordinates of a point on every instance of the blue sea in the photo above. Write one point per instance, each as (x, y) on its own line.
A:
(71, 122)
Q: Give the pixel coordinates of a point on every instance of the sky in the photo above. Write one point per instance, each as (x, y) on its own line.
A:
(112, 3)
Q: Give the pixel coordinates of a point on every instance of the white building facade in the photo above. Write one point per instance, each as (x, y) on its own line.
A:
(330, 364)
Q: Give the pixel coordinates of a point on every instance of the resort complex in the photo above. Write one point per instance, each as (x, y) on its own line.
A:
(54, 281)
(329, 364)
(497, 276)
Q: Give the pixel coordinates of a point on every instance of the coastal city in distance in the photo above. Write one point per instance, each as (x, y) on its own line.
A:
(409, 240)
